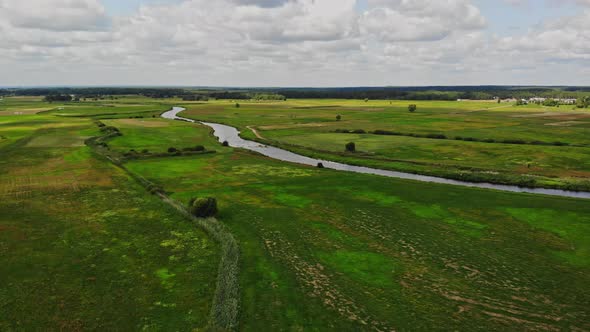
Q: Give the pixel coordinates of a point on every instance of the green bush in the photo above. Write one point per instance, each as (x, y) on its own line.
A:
(350, 147)
(203, 207)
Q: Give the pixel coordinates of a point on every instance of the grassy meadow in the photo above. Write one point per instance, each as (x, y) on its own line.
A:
(309, 127)
(85, 247)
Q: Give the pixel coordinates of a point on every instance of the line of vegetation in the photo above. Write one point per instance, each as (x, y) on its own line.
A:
(461, 173)
(449, 93)
(458, 138)
(225, 306)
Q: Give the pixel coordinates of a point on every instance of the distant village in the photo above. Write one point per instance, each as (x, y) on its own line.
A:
(540, 100)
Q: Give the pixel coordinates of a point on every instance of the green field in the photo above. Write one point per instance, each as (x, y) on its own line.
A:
(85, 247)
(308, 127)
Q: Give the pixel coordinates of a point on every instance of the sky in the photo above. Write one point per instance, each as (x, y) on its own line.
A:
(310, 43)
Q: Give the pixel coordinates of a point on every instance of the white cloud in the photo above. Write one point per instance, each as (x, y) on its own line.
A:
(57, 15)
(271, 42)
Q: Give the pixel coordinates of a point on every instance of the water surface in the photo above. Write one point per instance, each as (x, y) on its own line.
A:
(232, 136)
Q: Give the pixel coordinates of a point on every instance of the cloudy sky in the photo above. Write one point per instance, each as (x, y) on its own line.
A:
(294, 42)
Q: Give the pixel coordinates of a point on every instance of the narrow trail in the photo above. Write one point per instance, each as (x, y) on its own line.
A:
(255, 132)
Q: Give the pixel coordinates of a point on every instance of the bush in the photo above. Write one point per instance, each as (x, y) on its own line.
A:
(359, 131)
(489, 140)
(172, 150)
(436, 136)
(560, 143)
(197, 148)
(513, 141)
(203, 207)
(539, 143)
(338, 117)
(237, 105)
(350, 147)
(320, 165)
(412, 108)
(225, 143)
(109, 129)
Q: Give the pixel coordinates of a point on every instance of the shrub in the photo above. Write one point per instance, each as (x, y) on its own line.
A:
(382, 132)
(320, 165)
(489, 140)
(237, 105)
(225, 143)
(338, 117)
(436, 136)
(203, 207)
(412, 108)
(539, 143)
(172, 150)
(359, 131)
(109, 129)
(145, 151)
(514, 141)
(197, 148)
(350, 147)
(458, 138)
(560, 143)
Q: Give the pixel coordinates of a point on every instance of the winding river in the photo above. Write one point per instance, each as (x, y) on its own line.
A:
(232, 136)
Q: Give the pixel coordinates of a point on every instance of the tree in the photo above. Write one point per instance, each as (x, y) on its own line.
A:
(583, 102)
(350, 147)
(338, 117)
(412, 108)
(203, 207)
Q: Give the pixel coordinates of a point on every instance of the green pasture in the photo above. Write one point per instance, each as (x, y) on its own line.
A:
(323, 249)
(308, 127)
(84, 247)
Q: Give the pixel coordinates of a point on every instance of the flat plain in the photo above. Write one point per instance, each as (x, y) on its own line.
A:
(319, 249)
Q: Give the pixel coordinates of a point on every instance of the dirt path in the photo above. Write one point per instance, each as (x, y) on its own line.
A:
(255, 132)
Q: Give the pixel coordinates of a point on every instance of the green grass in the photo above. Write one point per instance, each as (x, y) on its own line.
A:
(310, 130)
(326, 250)
(83, 247)
(157, 135)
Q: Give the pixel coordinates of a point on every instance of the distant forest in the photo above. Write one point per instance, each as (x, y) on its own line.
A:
(378, 93)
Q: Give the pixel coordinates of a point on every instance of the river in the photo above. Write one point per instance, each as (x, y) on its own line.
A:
(232, 136)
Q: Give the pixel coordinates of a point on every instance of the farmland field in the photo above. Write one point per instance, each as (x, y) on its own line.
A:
(86, 247)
